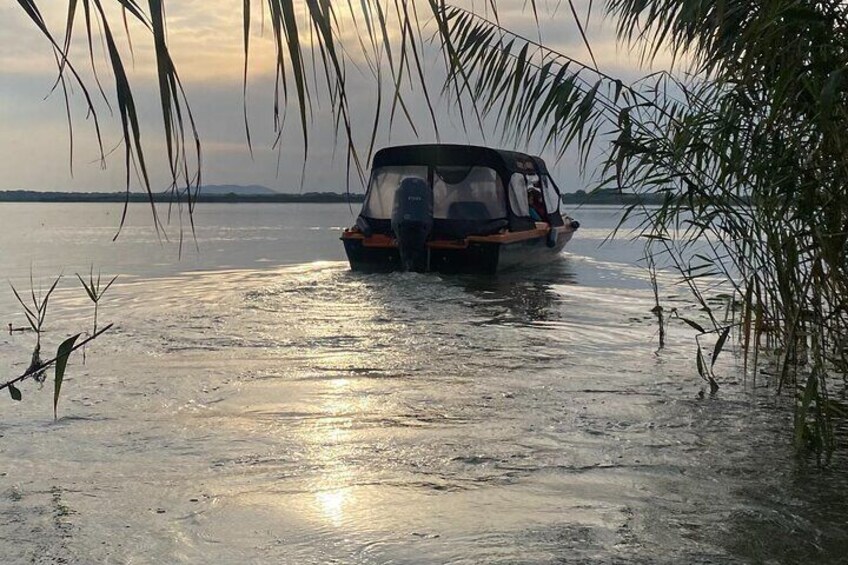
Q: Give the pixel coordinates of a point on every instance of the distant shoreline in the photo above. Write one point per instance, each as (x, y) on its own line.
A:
(230, 198)
(576, 199)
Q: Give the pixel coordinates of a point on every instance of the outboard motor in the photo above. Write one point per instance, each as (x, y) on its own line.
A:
(412, 222)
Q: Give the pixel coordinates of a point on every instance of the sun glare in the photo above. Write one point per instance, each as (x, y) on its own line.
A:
(332, 504)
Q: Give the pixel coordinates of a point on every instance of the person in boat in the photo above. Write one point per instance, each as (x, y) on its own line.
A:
(537, 205)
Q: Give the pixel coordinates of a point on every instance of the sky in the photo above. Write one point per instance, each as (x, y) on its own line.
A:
(205, 38)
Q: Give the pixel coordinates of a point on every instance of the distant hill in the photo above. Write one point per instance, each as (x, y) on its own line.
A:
(238, 190)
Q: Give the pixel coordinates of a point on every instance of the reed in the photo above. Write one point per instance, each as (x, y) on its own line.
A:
(35, 312)
(95, 290)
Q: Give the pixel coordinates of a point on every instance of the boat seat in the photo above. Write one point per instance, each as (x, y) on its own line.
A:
(460, 229)
(468, 210)
(375, 226)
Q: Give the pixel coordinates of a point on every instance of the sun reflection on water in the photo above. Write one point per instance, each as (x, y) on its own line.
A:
(332, 504)
(334, 436)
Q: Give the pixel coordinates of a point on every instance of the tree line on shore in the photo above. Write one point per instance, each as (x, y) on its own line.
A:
(305, 197)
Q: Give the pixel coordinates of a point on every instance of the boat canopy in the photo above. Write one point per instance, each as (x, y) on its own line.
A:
(476, 190)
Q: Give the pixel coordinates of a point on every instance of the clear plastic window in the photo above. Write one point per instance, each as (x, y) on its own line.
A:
(468, 193)
(381, 191)
(518, 195)
(552, 197)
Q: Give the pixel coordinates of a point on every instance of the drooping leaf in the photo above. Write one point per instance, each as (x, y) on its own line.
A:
(719, 345)
(15, 393)
(62, 355)
(694, 324)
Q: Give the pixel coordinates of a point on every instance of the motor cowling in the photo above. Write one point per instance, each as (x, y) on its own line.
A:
(412, 222)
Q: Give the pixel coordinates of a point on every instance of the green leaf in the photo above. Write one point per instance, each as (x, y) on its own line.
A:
(830, 92)
(105, 288)
(15, 393)
(89, 290)
(702, 371)
(720, 345)
(695, 325)
(62, 355)
(803, 407)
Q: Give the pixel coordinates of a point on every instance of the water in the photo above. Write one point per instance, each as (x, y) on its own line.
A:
(258, 402)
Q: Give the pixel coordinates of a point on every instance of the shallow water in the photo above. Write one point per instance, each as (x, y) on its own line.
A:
(259, 402)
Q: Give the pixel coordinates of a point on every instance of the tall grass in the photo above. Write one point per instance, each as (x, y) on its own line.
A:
(754, 162)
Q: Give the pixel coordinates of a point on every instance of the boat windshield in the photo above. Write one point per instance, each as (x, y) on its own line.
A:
(468, 193)
(381, 192)
(459, 193)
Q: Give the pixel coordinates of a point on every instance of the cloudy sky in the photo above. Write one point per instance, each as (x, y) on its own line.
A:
(206, 42)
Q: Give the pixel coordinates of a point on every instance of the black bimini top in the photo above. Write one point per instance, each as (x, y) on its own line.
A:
(452, 155)
(467, 195)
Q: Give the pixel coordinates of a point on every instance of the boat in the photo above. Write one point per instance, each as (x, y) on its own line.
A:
(457, 209)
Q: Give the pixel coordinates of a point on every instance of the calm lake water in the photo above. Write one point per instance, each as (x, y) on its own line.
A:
(258, 402)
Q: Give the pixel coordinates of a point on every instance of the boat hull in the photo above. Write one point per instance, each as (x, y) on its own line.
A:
(475, 254)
